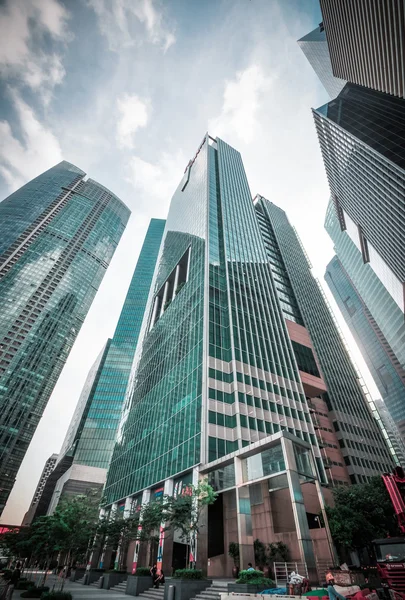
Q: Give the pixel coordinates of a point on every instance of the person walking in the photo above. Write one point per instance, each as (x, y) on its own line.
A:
(14, 579)
(332, 593)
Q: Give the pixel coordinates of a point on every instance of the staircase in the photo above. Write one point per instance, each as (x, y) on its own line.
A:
(153, 593)
(81, 580)
(97, 582)
(121, 587)
(218, 587)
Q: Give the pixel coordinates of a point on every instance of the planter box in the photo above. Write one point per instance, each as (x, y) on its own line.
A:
(185, 589)
(93, 576)
(247, 588)
(112, 579)
(136, 585)
(77, 574)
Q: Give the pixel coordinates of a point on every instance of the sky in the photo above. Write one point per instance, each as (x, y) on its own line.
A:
(126, 90)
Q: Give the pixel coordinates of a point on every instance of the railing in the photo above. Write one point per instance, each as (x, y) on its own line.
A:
(283, 570)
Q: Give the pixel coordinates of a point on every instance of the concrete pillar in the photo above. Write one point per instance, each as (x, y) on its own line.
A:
(107, 551)
(145, 500)
(165, 548)
(155, 307)
(305, 544)
(94, 554)
(165, 291)
(127, 512)
(176, 281)
(244, 518)
(193, 537)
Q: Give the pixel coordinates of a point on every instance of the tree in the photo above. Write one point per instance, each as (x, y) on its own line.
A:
(185, 511)
(361, 513)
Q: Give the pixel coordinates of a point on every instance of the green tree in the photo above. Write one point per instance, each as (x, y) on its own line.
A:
(361, 513)
(185, 511)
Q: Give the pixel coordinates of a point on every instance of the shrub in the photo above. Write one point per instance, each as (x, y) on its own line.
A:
(142, 572)
(24, 585)
(246, 576)
(34, 592)
(56, 596)
(117, 571)
(188, 574)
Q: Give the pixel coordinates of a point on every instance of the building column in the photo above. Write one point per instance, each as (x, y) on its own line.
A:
(305, 544)
(165, 548)
(127, 512)
(106, 553)
(165, 291)
(93, 558)
(176, 281)
(155, 307)
(244, 518)
(145, 500)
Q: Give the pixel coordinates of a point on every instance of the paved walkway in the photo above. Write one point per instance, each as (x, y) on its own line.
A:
(78, 591)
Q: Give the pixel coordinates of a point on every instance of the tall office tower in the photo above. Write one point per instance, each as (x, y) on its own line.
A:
(87, 448)
(58, 234)
(366, 41)
(216, 387)
(375, 320)
(315, 48)
(46, 471)
(392, 430)
(362, 138)
(360, 433)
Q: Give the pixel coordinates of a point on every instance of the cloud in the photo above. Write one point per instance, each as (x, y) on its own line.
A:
(242, 99)
(23, 27)
(39, 149)
(116, 22)
(158, 181)
(133, 114)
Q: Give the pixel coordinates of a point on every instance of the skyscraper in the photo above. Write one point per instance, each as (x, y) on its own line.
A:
(315, 48)
(359, 431)
(362, 138)
(216, 388)
(366, 41)
(375, 320)
(58, 234)
(46, 471)
(91, 435)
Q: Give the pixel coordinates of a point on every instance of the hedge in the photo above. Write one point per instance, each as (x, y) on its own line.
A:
(188, 574)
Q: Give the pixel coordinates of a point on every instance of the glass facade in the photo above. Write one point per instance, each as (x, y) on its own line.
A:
(51, 266)
(362, 138)
(374, 318)
(315, 48)
(105, 388)
(361, 437)
(214, 370)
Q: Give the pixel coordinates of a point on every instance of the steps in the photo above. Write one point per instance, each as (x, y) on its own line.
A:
(215, 590)
(153, 593)
(121, 587)
(81, 580)
(96, 583)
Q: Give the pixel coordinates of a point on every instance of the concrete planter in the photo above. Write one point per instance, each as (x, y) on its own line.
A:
(93, 576)
(136, 585)
(77, 574)
(247, 588)
(185, 589)
(112, 579)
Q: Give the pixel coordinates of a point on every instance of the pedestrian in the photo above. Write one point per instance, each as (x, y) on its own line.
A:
(332, 593)
(159, 579)
(153, 572)
(14, 579)
(250, 567)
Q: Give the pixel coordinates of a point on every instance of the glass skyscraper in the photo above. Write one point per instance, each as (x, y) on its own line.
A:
(376, 321)
(362, 138)
(315, 48)
(360, 432)
(366, 40)
(58, 234)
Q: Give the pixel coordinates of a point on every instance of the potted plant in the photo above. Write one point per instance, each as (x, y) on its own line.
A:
(187, 583)
(233, 551)
(251, 582)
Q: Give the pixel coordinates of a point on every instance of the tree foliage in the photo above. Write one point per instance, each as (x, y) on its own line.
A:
(361, 513)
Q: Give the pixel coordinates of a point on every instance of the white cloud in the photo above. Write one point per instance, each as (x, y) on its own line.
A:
(20, 58)
(242, 99)
(39, 149)
(133, 114)
(158, 181)
(116, 19)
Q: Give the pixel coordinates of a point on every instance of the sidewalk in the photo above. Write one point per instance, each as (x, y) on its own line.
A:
(78, 591)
